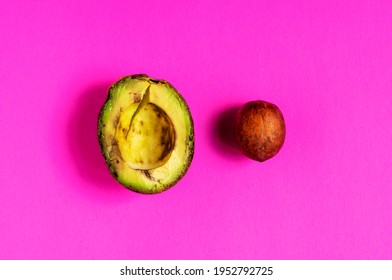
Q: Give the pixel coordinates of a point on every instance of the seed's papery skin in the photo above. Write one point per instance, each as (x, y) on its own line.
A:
(260, 130)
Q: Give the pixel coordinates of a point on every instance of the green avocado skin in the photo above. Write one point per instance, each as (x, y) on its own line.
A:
(104, 150)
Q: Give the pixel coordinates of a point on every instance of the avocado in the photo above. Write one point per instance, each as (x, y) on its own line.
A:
(146, 134)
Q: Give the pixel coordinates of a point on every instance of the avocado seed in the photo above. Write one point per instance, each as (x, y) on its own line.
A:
(260, 130)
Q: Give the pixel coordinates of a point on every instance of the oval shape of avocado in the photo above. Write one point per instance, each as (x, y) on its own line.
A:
(146, 134)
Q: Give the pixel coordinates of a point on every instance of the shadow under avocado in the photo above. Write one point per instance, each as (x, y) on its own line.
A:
(83, 139)
(223, 134)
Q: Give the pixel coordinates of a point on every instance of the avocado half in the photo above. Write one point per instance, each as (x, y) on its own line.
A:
(146, 134)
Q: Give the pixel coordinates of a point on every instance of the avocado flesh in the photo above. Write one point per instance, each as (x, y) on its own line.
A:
(146, 134)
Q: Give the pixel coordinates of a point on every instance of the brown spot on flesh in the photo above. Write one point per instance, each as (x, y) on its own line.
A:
(114, 152)
(113, 142)
(116, 120)
(141, 123)
(148, 175)
(137, 97)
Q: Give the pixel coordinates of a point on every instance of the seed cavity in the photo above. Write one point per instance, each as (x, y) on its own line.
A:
(146, 135)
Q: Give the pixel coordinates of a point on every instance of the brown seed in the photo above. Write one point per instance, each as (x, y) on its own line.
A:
(260, 130)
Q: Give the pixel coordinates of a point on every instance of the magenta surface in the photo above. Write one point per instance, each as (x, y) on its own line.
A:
(326, 64)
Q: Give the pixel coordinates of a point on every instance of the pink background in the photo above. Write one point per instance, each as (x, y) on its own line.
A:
(326, 64)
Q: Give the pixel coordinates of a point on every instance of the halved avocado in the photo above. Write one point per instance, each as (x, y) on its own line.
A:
(146, 134)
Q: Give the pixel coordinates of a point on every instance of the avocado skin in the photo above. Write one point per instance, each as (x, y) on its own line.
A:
(101, 140)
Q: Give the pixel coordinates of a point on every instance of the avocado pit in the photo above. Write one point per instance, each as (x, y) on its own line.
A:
(260, 130)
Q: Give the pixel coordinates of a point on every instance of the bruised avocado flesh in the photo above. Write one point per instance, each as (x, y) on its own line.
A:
(145, 132)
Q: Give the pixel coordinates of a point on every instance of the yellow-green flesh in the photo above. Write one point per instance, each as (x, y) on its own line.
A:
(145, 130)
